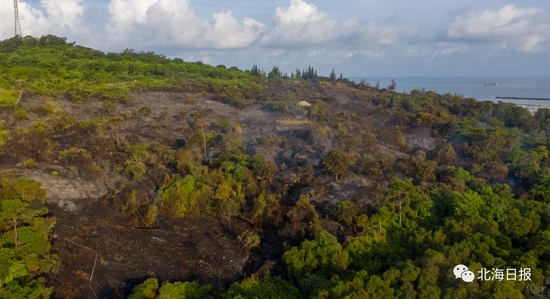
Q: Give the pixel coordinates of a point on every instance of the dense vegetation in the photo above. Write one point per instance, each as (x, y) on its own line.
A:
(374, 194)
(25, 240)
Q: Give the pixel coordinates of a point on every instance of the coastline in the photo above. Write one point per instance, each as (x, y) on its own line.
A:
(533, 107)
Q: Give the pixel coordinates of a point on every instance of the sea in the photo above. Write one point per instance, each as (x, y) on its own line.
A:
(472, 87)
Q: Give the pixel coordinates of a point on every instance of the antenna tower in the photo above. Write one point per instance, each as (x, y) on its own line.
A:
(17, 23)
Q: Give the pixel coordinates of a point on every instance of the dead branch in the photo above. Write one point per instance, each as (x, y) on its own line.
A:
(95, 263)
(19, 98)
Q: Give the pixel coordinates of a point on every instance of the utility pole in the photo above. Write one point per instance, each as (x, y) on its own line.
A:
(18, 32)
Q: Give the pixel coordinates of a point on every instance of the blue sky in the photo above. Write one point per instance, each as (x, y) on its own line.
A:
(358, 38)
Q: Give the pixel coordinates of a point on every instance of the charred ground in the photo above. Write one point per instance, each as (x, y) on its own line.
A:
(180, 171)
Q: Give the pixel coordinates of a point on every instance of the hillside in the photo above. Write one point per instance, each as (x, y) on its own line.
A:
(123, 171)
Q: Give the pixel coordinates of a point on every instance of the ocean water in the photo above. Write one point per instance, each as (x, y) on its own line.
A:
(473, 87)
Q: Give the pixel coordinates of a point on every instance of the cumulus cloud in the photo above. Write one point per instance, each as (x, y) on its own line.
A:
(301, 23)
(525, 27)
(173, 23)
(532, 43)
(59, 17)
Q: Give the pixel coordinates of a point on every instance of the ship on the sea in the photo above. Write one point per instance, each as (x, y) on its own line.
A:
(490, 84)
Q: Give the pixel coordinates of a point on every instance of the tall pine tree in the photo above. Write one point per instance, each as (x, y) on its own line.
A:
(332, 76)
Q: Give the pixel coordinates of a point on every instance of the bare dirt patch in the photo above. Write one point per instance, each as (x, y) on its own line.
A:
(64, 189)
(421, 138)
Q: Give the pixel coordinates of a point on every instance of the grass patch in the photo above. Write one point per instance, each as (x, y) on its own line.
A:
(53, 105)
(8, 97)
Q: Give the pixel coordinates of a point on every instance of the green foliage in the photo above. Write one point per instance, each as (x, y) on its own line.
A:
(83, 74)
(303, 217)
(323, 254)
(267, 210)
(184, 290)
(346, 211)
(82, 159)
(21, 114)
(223, 123)
(146, 290)
(233, 96)
(30, 163)
(337, 163)
(43, 110)
(181, 196)
(263, 287)
(8, 97)
(3, 135)
(446, 155)
(25, 256)
(108, 106)
(137, 154)
(287, 102)
(468, 204)
(249, 239)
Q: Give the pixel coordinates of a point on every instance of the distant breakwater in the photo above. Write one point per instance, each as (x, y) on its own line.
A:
(523, 98)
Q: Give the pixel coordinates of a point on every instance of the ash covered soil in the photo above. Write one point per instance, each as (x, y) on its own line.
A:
(91, 238)
(190, 249)
(201, 249)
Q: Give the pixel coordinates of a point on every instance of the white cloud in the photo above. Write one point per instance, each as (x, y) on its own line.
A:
(298, 12)
(384, 35)
(226, 32)
(301, 23)
(432, 57)
(524, 27)
(173, 23)
(448, 48)
(372, 55)
(61, 17)
(415, 53)
(532, 43)
(350, 54)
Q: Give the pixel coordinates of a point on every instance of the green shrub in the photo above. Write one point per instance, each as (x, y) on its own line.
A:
(25, 258)
(346, 211)
(30, 163)
(233, 96)
(108, 106)
(146, 290)
(249, 239)
(136, 168)
(337, 163)
(21, 113)
(78, 94)
(3, 135)
(43, 110)
(8, 97)
(265, 287)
